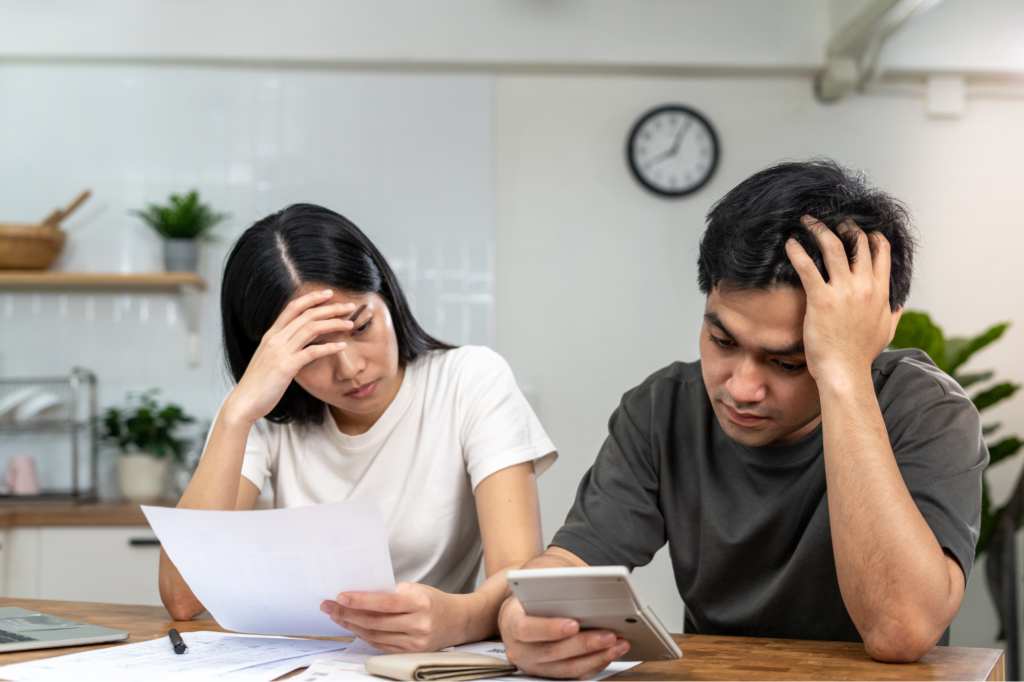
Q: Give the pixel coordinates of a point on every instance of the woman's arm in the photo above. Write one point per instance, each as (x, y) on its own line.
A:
(422, 618)
(218, 483)
(508, 507)
(174, 592)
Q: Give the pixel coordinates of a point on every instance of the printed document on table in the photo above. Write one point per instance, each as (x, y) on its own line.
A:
(267, 672)
(209, 655)
(267, 572)
(345, 666)
(350, 665)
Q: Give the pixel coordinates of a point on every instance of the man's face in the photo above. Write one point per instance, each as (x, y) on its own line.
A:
(752, 358)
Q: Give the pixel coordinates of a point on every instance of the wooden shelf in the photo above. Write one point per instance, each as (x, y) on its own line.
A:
(43, 280)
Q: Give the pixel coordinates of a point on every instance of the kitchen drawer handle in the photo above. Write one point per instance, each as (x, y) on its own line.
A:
(144, 542)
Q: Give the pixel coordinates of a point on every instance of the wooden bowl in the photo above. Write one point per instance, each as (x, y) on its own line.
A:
(29, 247)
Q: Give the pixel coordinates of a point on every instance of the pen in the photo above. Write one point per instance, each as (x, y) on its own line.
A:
(179, 646)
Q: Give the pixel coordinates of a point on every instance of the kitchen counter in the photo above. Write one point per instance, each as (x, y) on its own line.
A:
(17, 514)
(20, 514)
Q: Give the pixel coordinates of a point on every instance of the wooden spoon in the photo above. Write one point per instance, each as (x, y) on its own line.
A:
(55, 218)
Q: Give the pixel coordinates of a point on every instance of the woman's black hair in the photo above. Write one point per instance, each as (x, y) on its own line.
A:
(744, 246)
(273, 259)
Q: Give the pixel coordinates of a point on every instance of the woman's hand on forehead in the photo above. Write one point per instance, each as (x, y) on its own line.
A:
(286, 348)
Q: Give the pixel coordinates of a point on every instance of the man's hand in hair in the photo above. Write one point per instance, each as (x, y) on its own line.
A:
(848, 322)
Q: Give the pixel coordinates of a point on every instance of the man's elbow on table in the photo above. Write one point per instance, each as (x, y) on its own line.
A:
(914, 624)
(903, 641)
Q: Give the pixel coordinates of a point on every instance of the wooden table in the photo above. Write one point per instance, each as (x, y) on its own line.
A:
(704, 657)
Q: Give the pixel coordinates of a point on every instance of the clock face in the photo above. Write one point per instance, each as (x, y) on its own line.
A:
(673, 151)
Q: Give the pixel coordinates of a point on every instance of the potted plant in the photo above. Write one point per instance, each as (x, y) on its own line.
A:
(143, 431)
(183, 222)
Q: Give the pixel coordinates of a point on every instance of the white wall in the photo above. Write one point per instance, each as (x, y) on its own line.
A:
(980, 36)
(779, 33)
(596, 278)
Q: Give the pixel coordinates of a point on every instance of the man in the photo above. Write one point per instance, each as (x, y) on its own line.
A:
(809, 485)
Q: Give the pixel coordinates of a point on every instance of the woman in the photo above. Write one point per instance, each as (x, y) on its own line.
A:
(341, 394)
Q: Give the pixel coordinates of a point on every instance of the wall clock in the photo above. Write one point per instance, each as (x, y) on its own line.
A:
(672, 150)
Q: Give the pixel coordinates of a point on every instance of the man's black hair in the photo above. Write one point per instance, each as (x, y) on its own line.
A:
(744, 246)
(273, 259)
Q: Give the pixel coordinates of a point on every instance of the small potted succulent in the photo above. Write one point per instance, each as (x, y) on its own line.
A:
(144, 432)
(183, 222)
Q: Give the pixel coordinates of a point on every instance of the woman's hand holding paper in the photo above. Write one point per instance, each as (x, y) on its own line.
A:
(416, 618)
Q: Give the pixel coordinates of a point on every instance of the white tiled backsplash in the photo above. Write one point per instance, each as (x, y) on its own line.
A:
(408, 158)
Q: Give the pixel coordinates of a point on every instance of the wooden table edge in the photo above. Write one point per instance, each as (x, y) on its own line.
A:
(146, 623)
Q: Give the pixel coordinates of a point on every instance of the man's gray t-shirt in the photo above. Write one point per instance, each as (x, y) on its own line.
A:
(748, 528)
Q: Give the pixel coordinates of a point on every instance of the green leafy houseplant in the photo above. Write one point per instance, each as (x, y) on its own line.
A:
(916, 330)
(145, 426)
(183, 217)
(998, 525)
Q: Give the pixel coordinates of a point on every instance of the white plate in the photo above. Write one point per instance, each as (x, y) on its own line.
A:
(37, 407)
(11, 403)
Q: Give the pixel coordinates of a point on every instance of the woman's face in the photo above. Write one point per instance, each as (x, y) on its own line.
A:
(363, 379)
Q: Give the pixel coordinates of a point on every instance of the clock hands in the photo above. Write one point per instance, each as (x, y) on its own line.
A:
(674, 149)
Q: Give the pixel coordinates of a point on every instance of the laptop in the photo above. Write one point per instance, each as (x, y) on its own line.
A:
(21, 629)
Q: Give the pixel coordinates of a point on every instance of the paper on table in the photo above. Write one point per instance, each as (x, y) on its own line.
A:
(357, 652)
(266, 672)
(209, 654)
(349, 665)
(335, 671)
(268, 571)
(345, 665)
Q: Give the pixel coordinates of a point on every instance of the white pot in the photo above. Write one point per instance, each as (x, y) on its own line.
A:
(141, 477)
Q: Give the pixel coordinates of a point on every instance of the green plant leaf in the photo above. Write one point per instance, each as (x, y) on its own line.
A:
(916, 330)
(958, 353)
(183, 217)
(954, 345)
(989, 429)
(996, 394)
(146, 425)
(966, 380)
(1003, 449)
(157, 448)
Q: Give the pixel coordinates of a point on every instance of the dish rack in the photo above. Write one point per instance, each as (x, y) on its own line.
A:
(65, 407)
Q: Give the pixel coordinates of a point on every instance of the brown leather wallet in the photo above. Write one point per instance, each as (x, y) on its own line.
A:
(440, 666)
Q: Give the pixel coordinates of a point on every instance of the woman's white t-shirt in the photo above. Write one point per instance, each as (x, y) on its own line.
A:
(458, 417)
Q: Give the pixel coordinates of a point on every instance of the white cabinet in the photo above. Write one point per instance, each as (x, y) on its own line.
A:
(112, 564)
(3, 561)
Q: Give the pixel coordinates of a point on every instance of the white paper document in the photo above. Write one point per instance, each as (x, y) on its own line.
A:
(350, 665)
(267, 672)
(210, 656)
(267, 572)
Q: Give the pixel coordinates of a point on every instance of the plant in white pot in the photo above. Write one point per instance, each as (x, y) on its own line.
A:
(183, 222)
(143, 431)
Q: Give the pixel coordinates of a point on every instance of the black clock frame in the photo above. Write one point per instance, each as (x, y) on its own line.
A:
(689, 112)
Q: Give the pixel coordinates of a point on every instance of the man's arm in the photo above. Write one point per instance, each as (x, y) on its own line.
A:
(555, 647)
(899, 586)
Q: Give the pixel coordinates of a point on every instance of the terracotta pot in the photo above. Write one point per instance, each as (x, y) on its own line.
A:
(141, 476)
